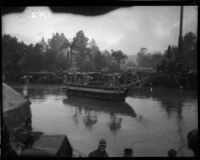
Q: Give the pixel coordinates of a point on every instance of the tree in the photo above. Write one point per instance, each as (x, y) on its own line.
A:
(114, 65)
(106, 56)
(97, 57)
(93, 46)
(79, 47)
(99, 61)
(149, 60)
(13, 53)
(43, 45)
(155, 59)
(50, 57)
(171, 61)
(34, 58)
(87, 65)
(143, 58)
(38, 57)
(131, 64)
(80, 42)
(119, 55)
(114, 68)
(55, 45)
(56, 42)
(168, 53)
(190, 50)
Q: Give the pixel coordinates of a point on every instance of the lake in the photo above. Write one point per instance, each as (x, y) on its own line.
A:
(151, 121)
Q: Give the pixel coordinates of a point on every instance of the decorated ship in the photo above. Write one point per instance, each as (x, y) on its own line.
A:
(94, 84)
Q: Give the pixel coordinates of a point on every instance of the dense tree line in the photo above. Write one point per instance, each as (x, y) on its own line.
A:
(148, 60)
(174, 68)
(173, 61)
(170, 60)
(56, 55)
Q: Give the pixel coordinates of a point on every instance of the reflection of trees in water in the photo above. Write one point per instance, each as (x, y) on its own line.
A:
(75, 117)
(90, 107)
(78, 113)
(115, 123)
(89, 119)
(39, 92)
(171, 105)
(180, 132)
(34, 93)
(171, 99)
(172, 102)
(182, 138)
(109, 107)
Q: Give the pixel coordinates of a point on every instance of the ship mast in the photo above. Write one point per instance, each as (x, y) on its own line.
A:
(180, 40)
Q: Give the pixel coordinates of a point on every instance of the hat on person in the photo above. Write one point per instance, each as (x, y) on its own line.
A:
(102, 142)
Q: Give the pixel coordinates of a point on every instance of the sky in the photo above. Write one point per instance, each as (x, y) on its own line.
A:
(127, 28)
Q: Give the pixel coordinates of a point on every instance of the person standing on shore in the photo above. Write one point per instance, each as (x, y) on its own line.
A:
(100, 152)
(172, 153)
(128, 152)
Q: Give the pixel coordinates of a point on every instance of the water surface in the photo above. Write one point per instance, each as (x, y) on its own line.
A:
(149, 121)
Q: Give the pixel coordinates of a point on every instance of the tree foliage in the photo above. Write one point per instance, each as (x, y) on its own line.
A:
(187, 60)
(131, 64)
(56, 54)
(170, 61)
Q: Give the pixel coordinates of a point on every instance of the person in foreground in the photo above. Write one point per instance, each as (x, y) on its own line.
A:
(128, 152)
(193, 140)
(100, 151)
(172, 153)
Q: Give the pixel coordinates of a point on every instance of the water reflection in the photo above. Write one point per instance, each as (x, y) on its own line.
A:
(115, 123)
(171, 99)
(85, 120)
(34, 93)
(89, 119)
(109, 107)
(39, 91)
(90, 107)
(75, 116)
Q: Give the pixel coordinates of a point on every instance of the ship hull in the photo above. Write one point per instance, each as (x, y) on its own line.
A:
(106, 93)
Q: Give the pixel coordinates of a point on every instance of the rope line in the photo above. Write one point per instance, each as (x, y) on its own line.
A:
(147, 139)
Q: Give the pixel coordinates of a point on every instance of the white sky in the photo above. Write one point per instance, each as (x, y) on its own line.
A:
(127, 29)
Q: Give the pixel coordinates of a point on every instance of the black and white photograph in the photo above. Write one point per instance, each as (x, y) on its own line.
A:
(100, 81)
